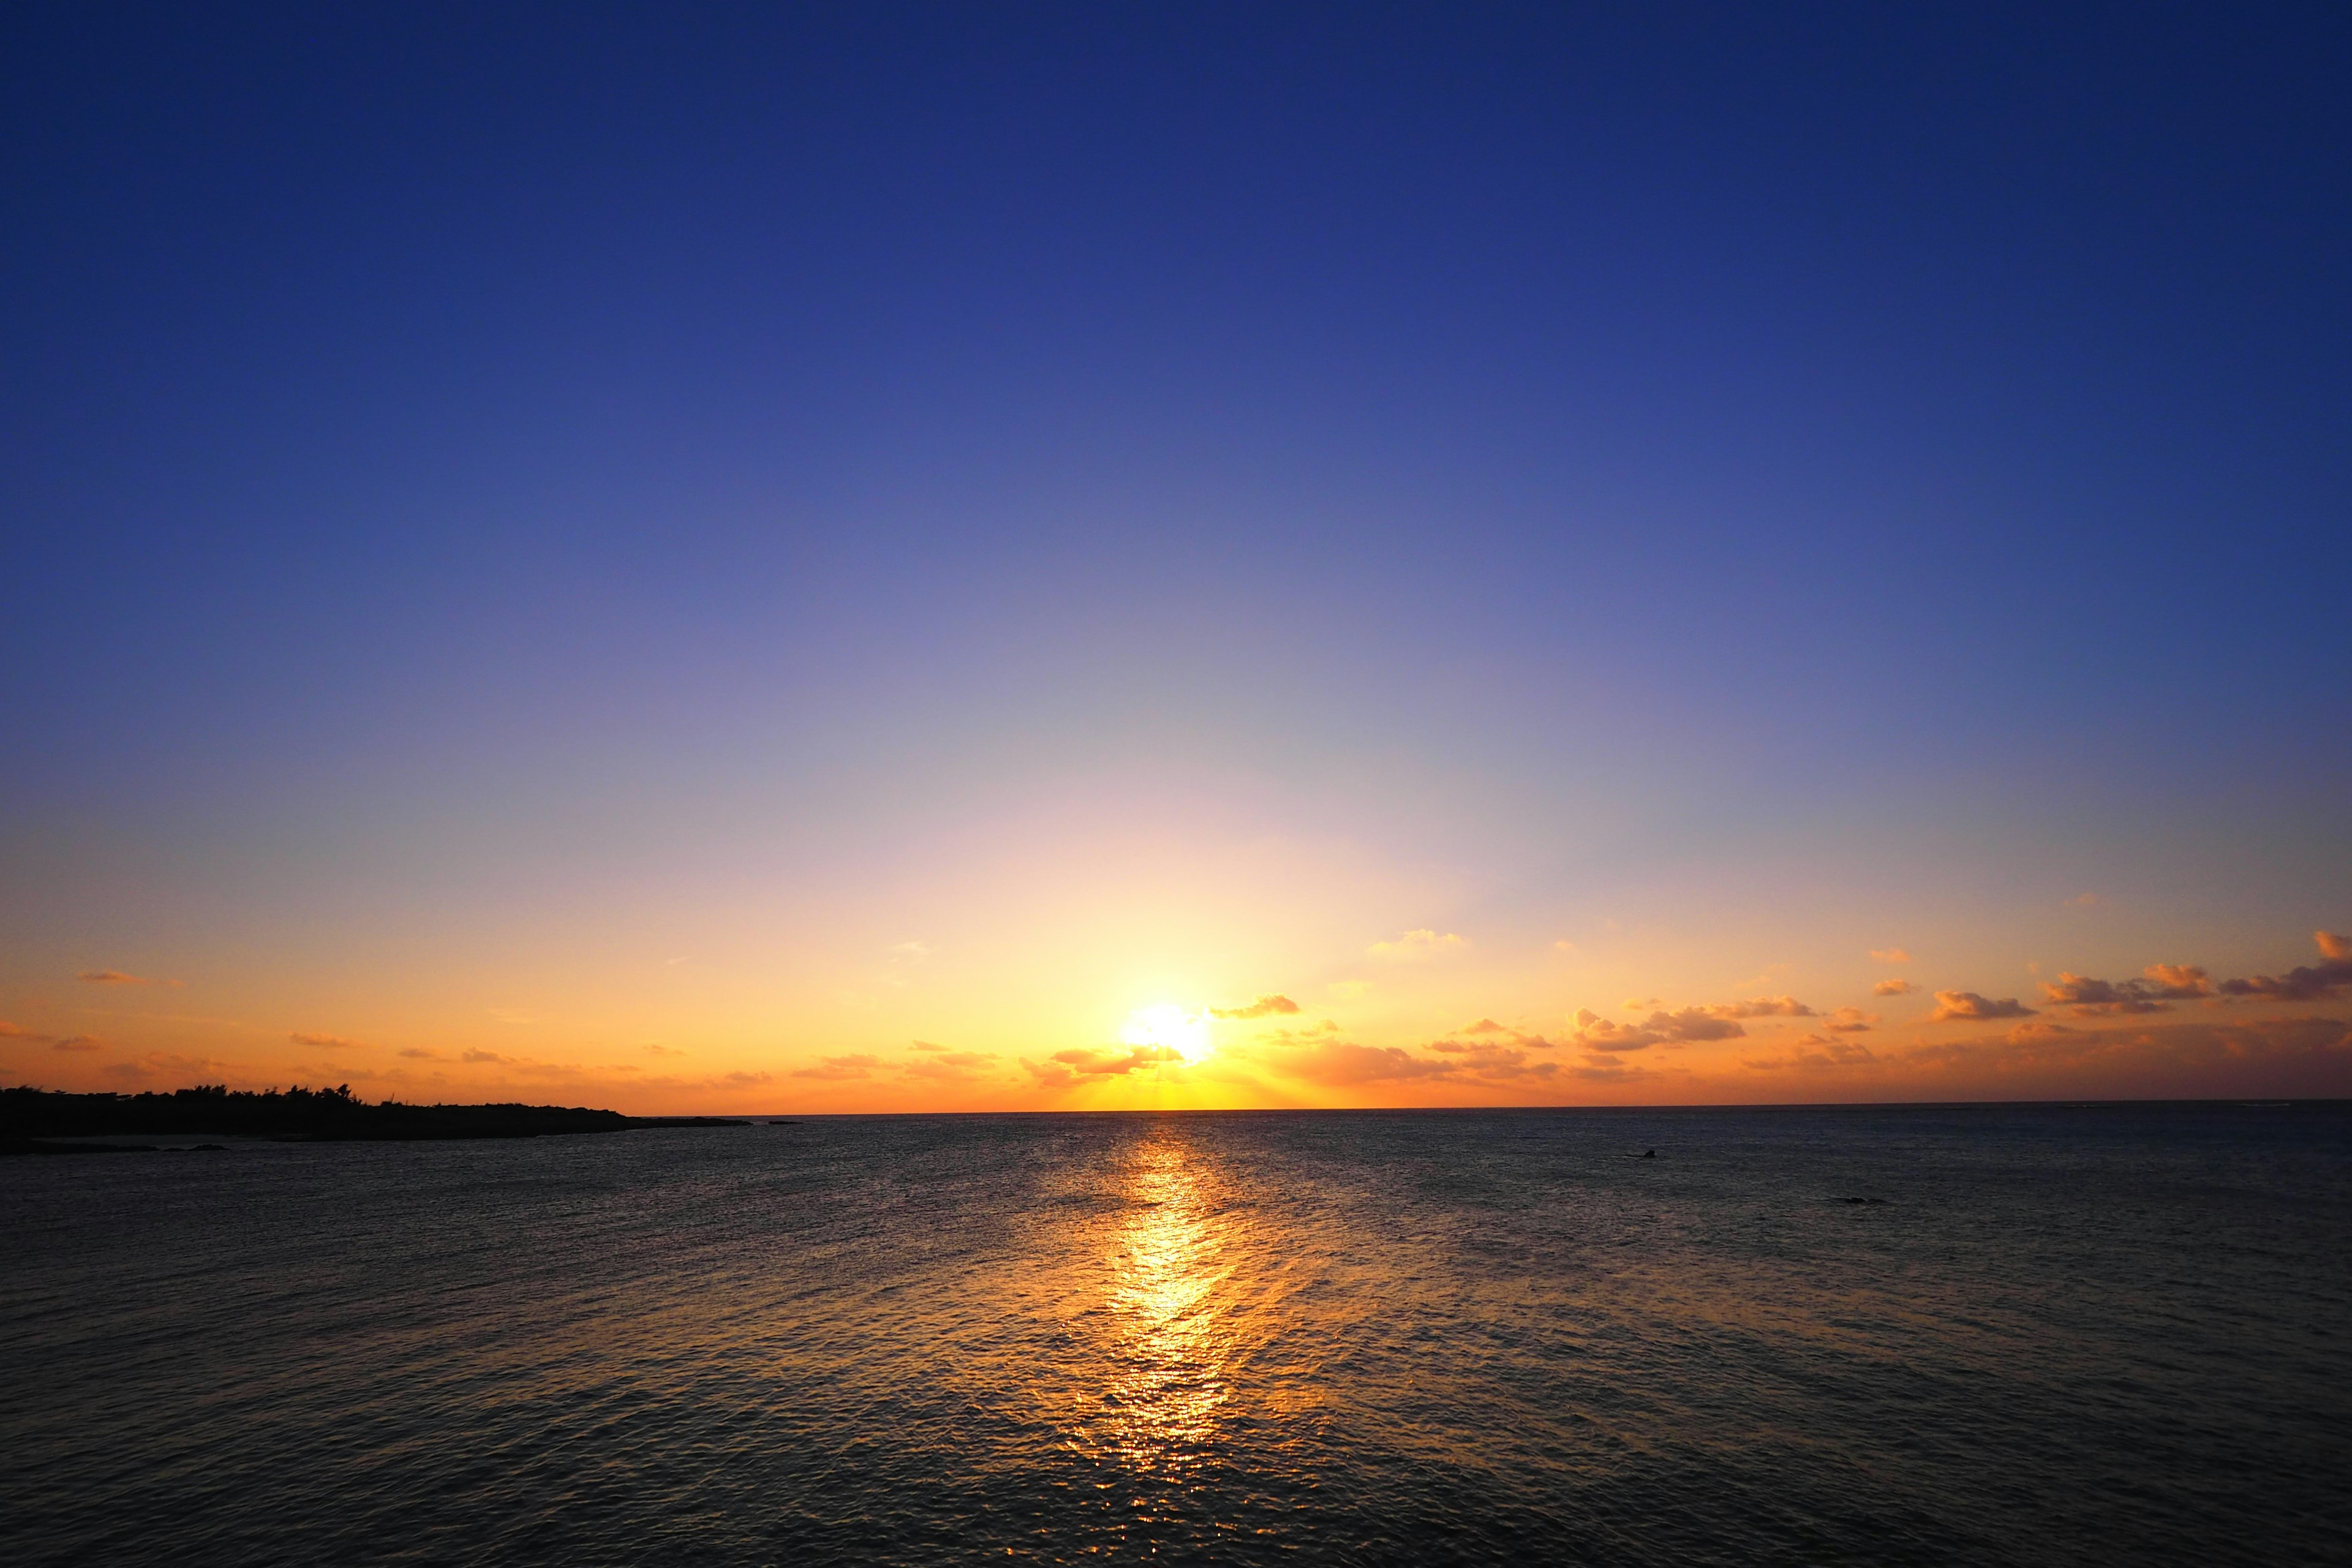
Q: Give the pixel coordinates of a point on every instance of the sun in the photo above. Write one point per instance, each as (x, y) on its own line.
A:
(1186, 1034)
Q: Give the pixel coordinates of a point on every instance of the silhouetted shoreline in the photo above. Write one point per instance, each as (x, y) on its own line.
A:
(31, 1119)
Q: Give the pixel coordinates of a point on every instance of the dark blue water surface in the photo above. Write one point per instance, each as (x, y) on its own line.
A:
(2084, 1334)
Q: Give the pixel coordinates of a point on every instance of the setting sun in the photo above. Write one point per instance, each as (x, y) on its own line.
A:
(1168, 1026)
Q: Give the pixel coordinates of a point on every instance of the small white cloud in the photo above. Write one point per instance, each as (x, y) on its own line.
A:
(1415, 945)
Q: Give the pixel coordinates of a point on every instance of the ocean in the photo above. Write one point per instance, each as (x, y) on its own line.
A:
(1935, 1335)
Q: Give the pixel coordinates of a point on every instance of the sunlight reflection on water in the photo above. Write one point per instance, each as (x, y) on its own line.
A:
(1166, 1345)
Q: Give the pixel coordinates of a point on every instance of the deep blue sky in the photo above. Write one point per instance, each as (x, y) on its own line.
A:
(1920, 425)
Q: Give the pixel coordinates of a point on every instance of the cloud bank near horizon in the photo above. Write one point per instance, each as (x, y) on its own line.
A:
(2171, 1029)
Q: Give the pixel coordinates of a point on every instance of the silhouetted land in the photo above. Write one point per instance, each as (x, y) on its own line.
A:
(28, 1116)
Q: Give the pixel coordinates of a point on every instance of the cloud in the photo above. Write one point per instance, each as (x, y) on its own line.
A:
(1594, 1033)
(326, 1042)
(1814, 1053)
(1849, 1021)
(2160, 985)
(1759, 1007)
(744, 1080)
(2311, 982)
(656, 1048)
(2085, 900)
(1491, 1060)
(1892, 988)
(168, 1065)
(2178, 980)
(946, 1065)
(1305, 1032)
(115, 977)
(1890, 954)
(481, 1056)
(1348, 990)
(1968, 1005)
(834, 1069)
(952, 1066)
(1257, 1009)
(1341, 1062)
(1493, 1051)
(18, 1032)
(419, 1053)
(2297, 1057)
(1116, 1064)
(80, 1043)
(1418, 944)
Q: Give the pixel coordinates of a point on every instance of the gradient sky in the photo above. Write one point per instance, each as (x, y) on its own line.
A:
(823, 557)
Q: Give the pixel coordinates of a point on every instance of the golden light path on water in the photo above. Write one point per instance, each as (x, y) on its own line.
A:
(1167, 1377)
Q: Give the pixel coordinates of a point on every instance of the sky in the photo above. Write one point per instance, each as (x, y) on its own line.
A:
(901, 558)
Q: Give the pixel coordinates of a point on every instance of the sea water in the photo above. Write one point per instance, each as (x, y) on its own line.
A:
(2046, 1334)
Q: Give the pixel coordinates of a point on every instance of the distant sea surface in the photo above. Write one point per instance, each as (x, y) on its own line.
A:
(2089, 1335)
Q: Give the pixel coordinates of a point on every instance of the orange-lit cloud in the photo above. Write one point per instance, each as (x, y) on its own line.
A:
(1890, 955)
(1262, 1008)
(2285, 1056)
(326, 1042)
(18, 1032)
(2159, 986)
(1067, 1067)
(1096, 1063)
(836, 1069)
(1418, 944)
(421, 1053)
(1892, 988)
(950, 1067)
(1951, 1004)
(1813, 1053)
(1339, 1063)
(2311, 982)
(170, 1066)
(117, 977)
(80, 1043)
(1849, 1021)
(1692, 1024)
(1759, 1007)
